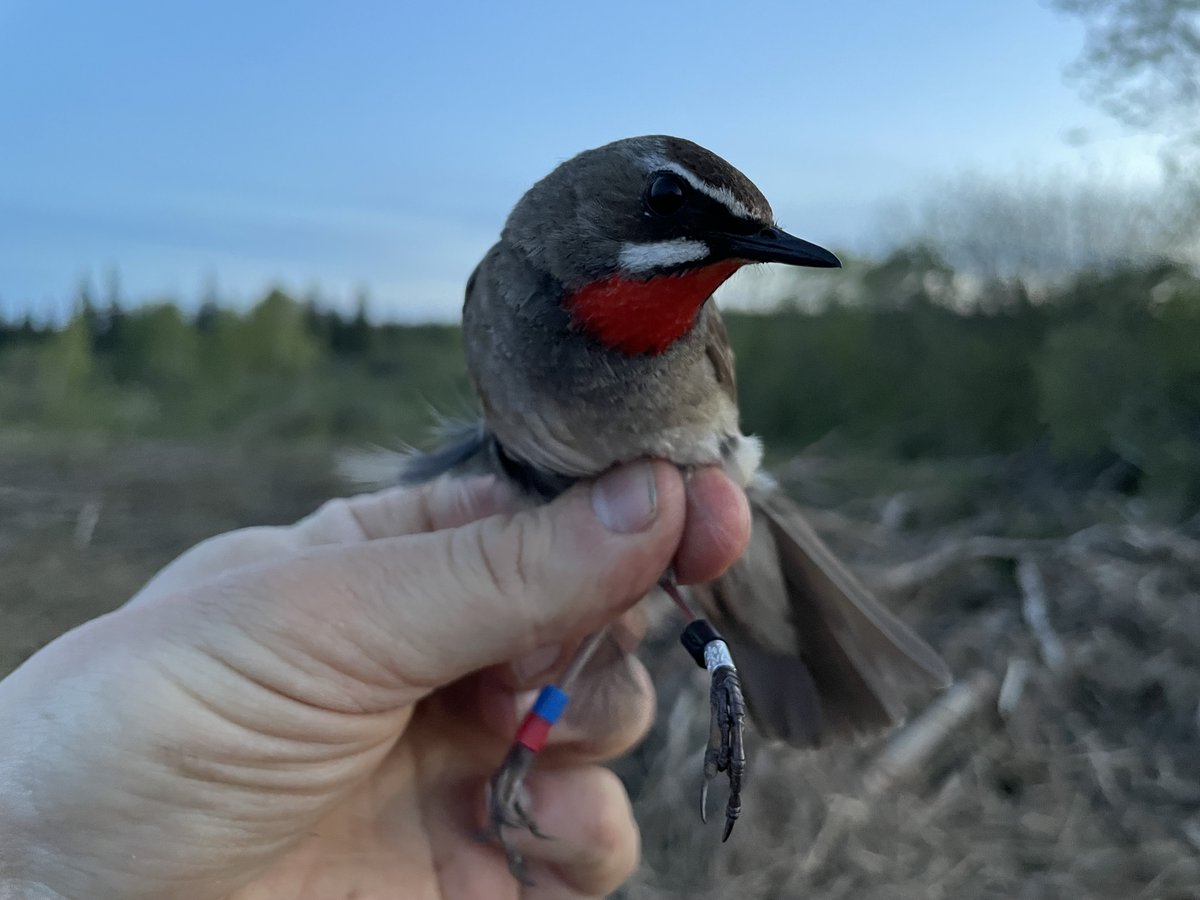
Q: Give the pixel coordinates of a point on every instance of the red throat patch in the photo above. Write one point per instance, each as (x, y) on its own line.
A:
(646, 316)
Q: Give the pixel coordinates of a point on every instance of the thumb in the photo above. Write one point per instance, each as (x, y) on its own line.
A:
(382, 622)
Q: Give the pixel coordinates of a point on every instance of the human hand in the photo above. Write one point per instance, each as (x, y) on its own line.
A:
(312, 711)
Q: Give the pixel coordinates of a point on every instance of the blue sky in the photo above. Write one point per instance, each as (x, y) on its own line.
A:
(381, 144)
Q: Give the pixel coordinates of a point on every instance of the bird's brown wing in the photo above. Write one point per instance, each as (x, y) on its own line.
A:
(818, 655)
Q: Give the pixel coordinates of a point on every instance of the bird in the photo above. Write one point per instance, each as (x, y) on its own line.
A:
(592, 340)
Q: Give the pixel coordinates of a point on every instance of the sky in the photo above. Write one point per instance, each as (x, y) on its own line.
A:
(378, 146)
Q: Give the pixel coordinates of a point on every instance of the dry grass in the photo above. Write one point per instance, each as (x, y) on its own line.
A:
(1087, 786)
(84, 524)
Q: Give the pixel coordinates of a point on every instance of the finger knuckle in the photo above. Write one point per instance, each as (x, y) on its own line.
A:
(473, 498)
(611, 835)
(502, 551)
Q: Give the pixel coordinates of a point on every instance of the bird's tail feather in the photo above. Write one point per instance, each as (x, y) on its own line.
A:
(459, 444)
(462, 447)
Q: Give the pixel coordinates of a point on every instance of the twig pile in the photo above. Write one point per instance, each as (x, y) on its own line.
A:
(1065, 762)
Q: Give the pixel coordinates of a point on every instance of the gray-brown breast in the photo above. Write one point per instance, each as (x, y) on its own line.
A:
(556, 398)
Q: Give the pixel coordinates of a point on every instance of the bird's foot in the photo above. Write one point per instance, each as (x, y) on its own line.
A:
(725, 751)
(508, 807)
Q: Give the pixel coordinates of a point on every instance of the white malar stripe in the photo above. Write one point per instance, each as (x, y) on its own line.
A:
(722, 195)
(638, 258)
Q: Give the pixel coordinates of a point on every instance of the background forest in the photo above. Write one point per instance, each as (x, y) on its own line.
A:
(1096, 378)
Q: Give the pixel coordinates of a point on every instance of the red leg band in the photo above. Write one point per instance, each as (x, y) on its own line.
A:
(533, 732)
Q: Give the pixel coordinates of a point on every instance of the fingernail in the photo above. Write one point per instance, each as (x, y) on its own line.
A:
(625, 499)
(535, 663)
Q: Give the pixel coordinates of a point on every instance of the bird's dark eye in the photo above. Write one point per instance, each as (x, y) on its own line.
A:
(665, 195)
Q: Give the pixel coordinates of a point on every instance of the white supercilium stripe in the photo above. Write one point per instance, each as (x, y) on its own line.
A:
(661, 254)
(722, 195)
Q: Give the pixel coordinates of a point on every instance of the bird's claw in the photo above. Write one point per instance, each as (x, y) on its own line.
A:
(725, 751)
(508, 807)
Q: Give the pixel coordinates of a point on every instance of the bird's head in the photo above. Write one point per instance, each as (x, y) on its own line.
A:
(641, 231)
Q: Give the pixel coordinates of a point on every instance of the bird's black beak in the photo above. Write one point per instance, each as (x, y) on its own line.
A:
(774, 245)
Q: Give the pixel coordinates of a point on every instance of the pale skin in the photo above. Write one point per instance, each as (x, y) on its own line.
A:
(312, 711)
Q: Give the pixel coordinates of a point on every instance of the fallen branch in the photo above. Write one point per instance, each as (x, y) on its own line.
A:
(1033, 610)
(1162, 540)
(913, 746)
(85, 523)
(918, 571)
(1012, 688)
(1082, 543)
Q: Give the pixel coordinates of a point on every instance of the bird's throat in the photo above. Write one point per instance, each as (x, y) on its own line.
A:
(648, 316)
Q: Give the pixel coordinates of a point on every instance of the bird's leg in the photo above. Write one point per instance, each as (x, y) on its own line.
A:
(725, 751)
(507, 798)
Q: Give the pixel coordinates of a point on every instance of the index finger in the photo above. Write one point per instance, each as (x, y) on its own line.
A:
(393, 512)
(447, 502)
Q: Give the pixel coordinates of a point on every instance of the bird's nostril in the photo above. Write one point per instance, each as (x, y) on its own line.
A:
(769, 233)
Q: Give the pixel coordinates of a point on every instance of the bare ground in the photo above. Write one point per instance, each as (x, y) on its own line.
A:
(1066, 762)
